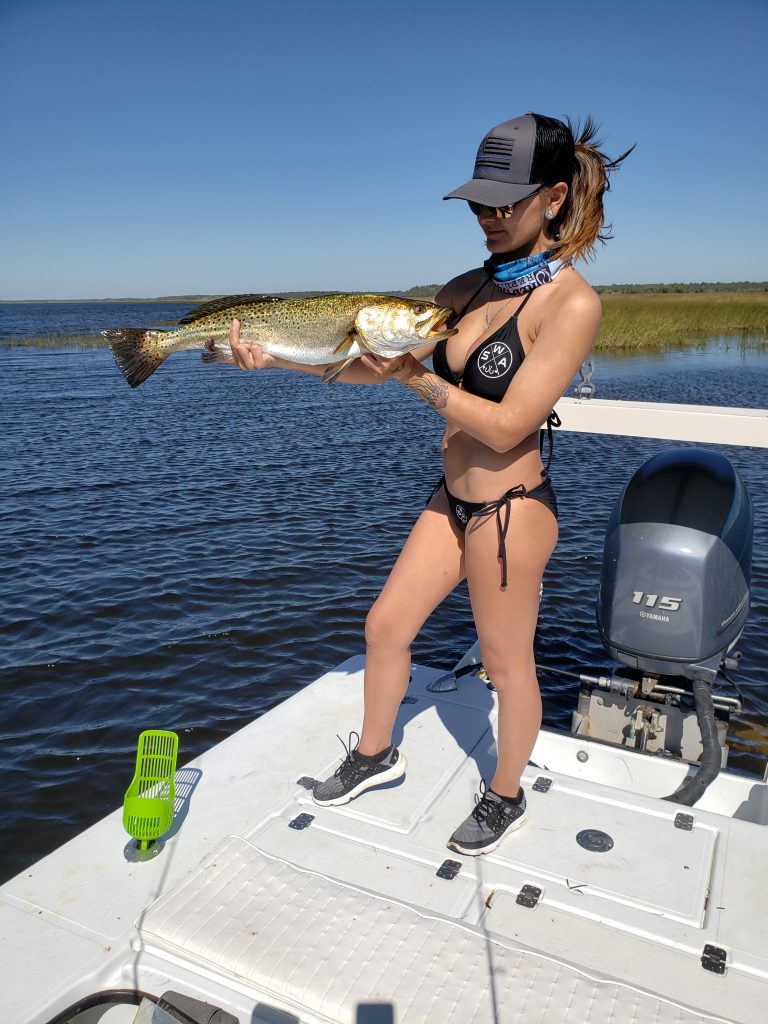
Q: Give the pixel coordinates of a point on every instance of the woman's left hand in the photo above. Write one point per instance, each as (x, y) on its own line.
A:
(400, 368)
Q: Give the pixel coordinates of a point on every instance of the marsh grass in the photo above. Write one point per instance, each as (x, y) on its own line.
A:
(631, 323)
(82, 341)
(648, 323)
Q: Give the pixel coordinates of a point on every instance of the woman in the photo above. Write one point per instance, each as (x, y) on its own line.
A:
(526, 321)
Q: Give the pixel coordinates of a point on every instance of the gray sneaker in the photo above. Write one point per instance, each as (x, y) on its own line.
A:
(492, 819)
(354, 776)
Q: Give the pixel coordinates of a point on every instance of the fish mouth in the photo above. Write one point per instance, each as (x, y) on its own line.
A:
(433, 325)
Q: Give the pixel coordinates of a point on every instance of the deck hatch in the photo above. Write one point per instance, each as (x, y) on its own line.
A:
(437, 740)
(370, 860)
(622, 844)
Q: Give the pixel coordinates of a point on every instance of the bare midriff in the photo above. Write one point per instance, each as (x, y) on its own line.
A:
(475, 472)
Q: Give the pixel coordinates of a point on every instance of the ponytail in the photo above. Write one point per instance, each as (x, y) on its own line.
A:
(580, 223)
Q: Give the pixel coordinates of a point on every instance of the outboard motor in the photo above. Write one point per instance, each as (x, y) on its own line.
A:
(674, 596)
(674, 591)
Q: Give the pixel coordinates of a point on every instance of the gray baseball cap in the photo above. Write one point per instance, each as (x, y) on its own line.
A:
(503, 165)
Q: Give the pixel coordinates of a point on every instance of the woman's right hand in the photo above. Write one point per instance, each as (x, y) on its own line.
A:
(247, 356)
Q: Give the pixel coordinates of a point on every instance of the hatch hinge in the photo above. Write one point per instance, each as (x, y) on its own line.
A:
(713, 959)
(528, 896)
(301, 821)
(307, 782)
(684, 821)
(449, 869)
(542, 785)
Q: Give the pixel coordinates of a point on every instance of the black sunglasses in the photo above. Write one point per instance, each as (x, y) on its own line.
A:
(503, 212)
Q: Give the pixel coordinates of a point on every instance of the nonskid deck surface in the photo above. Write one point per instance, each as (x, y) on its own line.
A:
(350, 908)
(357, 909)
(321, 945)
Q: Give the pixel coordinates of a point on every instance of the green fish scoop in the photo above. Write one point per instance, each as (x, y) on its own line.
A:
(149, 800)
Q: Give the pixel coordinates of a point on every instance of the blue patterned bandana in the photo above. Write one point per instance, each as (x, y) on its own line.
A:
(519, 276)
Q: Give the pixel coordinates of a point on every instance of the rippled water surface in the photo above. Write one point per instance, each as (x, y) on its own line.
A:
(75, 319)
(187, 554)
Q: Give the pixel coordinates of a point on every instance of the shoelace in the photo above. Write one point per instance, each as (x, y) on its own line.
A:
(487, 810)
(349, 768)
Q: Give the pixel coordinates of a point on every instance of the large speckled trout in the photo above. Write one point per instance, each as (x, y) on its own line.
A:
(332, 329)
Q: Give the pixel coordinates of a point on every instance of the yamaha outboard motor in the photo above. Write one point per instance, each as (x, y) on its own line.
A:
(674, 596)
(674, 591)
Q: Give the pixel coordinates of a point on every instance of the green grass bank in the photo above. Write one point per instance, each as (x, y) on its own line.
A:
(652, 322)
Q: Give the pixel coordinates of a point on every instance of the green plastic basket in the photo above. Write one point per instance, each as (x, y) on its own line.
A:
(148, 804)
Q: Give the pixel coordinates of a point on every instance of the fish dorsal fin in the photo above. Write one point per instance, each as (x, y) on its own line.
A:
(225, 302)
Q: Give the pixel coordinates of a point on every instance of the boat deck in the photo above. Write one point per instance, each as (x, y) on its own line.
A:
(329, 921)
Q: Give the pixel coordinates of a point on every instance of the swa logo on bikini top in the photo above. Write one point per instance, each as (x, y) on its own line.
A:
(495, 360)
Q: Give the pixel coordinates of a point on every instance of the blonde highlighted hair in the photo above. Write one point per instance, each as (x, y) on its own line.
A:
(573, 155)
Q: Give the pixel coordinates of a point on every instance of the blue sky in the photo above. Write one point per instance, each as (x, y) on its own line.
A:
(168, 147)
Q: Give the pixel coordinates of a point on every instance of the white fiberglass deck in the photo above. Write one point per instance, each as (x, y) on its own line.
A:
(244, 910)
(430, 967)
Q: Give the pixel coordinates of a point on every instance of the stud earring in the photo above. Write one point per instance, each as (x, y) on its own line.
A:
(549, 215)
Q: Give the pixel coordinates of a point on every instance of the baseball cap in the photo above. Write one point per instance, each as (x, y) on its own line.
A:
(503, 165)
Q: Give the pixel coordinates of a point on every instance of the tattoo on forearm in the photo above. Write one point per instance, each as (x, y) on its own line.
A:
(432, 390)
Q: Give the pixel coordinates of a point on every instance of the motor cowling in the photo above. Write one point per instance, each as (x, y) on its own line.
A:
(674, 588)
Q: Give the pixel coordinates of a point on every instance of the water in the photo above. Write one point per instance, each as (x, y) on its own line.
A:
(74, 319)
(188, 554)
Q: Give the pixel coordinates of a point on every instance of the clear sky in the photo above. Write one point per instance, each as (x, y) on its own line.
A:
(158, 147)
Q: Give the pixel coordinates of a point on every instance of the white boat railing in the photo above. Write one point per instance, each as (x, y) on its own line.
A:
(723, 425)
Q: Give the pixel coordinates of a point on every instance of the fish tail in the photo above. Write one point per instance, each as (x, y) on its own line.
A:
(137, 352)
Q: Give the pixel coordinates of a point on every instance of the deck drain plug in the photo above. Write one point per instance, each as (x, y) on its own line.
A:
(595, 840)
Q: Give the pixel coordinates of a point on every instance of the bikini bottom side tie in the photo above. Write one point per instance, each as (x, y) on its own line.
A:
(462, 511)
(504, 502)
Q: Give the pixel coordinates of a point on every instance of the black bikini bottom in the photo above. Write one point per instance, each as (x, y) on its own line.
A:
(462, 511)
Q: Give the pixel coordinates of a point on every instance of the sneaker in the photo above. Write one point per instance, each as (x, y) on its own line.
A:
(492, 819)
(354, 776)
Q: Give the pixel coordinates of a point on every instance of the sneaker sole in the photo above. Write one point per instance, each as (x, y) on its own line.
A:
(522, 820)
(389, 775)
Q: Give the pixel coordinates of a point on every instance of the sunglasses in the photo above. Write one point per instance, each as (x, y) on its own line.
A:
(501, 212)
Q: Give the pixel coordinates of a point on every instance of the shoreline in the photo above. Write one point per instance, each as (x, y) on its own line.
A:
(632, 322)
(611, 346)
(430, 290)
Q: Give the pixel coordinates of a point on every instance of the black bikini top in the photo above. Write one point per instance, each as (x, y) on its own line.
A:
(491, 366)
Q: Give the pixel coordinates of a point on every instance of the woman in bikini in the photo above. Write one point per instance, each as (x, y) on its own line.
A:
(526, 321)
